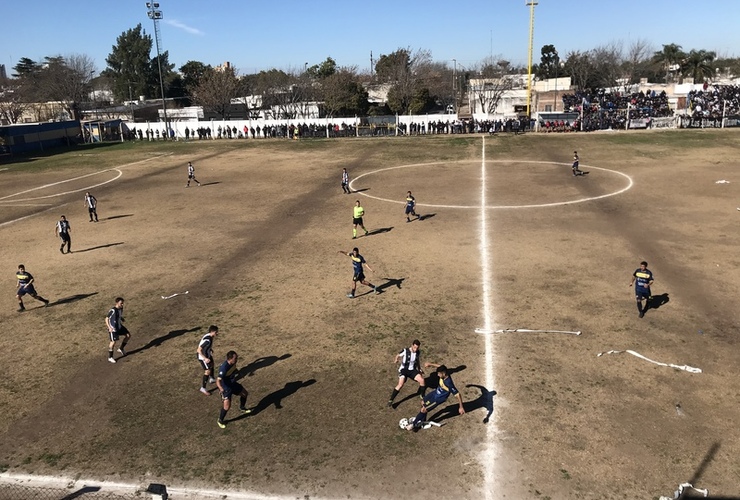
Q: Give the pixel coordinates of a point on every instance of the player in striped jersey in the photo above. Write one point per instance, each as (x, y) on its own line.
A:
(62, 230)
(205, 357)
(191, 175)
(410, 368)
(345, 181)
(92, 206)
(116, 330)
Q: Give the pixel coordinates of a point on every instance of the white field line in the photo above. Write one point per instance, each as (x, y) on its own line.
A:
(32, 215)
(70, 484)
(506, 207)
(489, 455)
(116, 169)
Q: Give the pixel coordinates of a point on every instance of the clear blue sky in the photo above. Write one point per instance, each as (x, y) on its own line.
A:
(255, 35)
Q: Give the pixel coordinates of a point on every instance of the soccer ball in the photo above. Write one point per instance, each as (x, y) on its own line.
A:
(403, 423)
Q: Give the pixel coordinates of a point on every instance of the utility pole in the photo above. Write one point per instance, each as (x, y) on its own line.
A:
(155, 15)
(531, 4)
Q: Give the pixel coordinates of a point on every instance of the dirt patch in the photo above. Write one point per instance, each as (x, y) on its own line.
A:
(256, 248)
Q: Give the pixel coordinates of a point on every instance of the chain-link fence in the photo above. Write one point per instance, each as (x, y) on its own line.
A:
(25, 492)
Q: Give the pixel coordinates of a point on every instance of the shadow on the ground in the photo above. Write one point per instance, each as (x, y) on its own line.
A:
(99, 247)
(156, 342)
(210, 183)
(426, 216)
(263, 362)
(72, 298)
(118, 216)
(389, 282)
(380, 230)
(276, 398)
(657, 301)
(485, 400)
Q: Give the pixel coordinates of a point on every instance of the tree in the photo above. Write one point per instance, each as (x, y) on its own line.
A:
(393, 67)
(130, 65)
(192, 73)
(26, 67)
(344, 95)
(67, 80)
(670, 59)
(12, 101)
(698, 65)
(549, 63)
(637, 63)
(216, 89)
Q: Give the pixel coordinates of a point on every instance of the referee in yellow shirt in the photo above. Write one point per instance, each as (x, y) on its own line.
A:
(357, 215)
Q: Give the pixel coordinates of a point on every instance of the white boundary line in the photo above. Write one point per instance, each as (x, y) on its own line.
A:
(32, 215)
(490, 454)
(116, 169)
(69, 484)
(477, 207)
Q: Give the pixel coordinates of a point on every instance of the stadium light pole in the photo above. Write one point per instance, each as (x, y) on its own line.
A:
(531, 4)
(155, 15)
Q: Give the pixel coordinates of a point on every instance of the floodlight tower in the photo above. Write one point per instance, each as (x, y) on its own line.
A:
(530, 4)
(155, 15)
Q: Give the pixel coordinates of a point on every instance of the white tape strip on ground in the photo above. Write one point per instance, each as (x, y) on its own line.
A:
(685, 486)
(523, 330)
(685, 368)
(175, 295)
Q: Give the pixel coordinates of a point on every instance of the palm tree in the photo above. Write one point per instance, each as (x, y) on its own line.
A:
(670, 58)
(697, 64)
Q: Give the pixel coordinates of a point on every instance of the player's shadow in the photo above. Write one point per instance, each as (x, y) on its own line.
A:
(389, 282)
(696, 477)
(485, 400)
(263, 362)
(360, 190)
(118, 216)
(426, 216)
(99, 247)
(380, 230)
(210, 183)
(72, 298)
(276, 398)
(657, 301)
(82, 491)
(156, 342)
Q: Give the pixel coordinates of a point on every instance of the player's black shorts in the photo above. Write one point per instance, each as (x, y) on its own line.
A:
(643, 294)
(409, 209)
(409, 374)
(118, 334)
(64, 236)
(26, 289)
(235, 388)
(357, 220)
(205, 364)
(358, 277)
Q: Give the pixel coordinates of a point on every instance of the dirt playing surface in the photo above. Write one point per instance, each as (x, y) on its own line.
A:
(256, 246)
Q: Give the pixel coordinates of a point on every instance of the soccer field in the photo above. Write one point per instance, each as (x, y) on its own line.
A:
(509, 239)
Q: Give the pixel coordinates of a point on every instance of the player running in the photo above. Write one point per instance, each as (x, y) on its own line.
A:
(228, 387)
(437, 397)
(410, 206)
(642, 278)
(205, 357)
(25, 287)
(410, 368)
(191, 175)
(358, 273)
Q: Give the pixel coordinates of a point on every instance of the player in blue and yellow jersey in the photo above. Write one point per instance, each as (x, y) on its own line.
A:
(25, 287)
(357, 214)
(437, 397)
(228, 387)
(410, 206)
(358, 272)
(642, 278)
